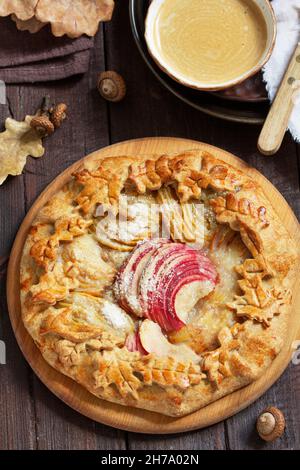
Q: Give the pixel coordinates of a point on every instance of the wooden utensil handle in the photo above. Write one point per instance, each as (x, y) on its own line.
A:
(277, 121)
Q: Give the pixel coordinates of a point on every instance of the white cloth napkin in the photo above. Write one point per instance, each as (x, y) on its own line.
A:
(288, 35)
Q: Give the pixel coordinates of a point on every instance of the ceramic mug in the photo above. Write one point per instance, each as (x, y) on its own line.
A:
(266, 10)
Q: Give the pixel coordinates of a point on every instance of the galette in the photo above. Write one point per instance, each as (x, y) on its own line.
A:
(159, 282)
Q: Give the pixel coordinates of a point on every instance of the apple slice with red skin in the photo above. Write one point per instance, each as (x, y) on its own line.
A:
(180, 264)
(172, 265)
(164, 311)
(156, 313)
(203, 268)
(130, 342)
(153, 341)
(195, 282)
(127, 282)
(180, 300)
(121, 276)
(165, 308)
(163, 280)
(151, 274)
(133, 343)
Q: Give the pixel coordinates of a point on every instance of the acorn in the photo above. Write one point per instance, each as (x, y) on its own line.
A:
(111, 86)
(42, 125)
(270, 424)
(58, 114)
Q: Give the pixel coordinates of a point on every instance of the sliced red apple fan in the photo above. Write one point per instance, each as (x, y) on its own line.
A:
(162, 281)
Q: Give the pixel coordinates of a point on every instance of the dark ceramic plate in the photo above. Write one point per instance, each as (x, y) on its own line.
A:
(246, 104)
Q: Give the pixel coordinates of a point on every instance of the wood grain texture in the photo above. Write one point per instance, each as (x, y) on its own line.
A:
(31, 417)
(133, 419)
(276, 124)
(16, 404)
(211, 438)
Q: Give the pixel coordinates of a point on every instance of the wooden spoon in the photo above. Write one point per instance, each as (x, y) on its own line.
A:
(275, 126)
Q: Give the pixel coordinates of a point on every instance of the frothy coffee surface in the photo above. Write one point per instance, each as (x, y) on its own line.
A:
(210, 41)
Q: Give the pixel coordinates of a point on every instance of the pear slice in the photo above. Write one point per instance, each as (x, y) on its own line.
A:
(183, 220)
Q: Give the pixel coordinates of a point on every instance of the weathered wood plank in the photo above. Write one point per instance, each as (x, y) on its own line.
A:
(212, 438)
(284, 394)
(59, 427)
(16, 404)
(281, 169)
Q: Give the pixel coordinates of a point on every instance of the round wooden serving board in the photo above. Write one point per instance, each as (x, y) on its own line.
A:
(132, 419)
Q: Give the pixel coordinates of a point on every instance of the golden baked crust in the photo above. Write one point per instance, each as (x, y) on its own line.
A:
(68, 269)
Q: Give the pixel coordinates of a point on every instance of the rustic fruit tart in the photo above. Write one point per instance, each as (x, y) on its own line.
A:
(159, 282)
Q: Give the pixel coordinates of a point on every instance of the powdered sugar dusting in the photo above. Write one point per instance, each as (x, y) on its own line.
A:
(115, 315)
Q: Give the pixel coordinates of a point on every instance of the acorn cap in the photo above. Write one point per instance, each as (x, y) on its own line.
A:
(58, 114)
(42, 124)
(270, 424)
(111, 86)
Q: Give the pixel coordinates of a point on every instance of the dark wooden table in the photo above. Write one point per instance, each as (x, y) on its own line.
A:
(30, 416)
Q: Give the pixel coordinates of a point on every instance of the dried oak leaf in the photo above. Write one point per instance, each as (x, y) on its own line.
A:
(74, 17)
(32, 24)
(17, 142)
(22, 9)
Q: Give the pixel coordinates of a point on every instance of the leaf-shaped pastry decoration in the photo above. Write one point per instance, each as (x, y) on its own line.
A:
(187, 173)
(231, 209)
(70, 353)
(218, 176)
(17, 142)
(253, 267)
(53, 286)
(130, 372)
(101, 187)
(168, 372)
(216, 362)
(258, 303)
(241, 354)
(144, 176)
(44, 250)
